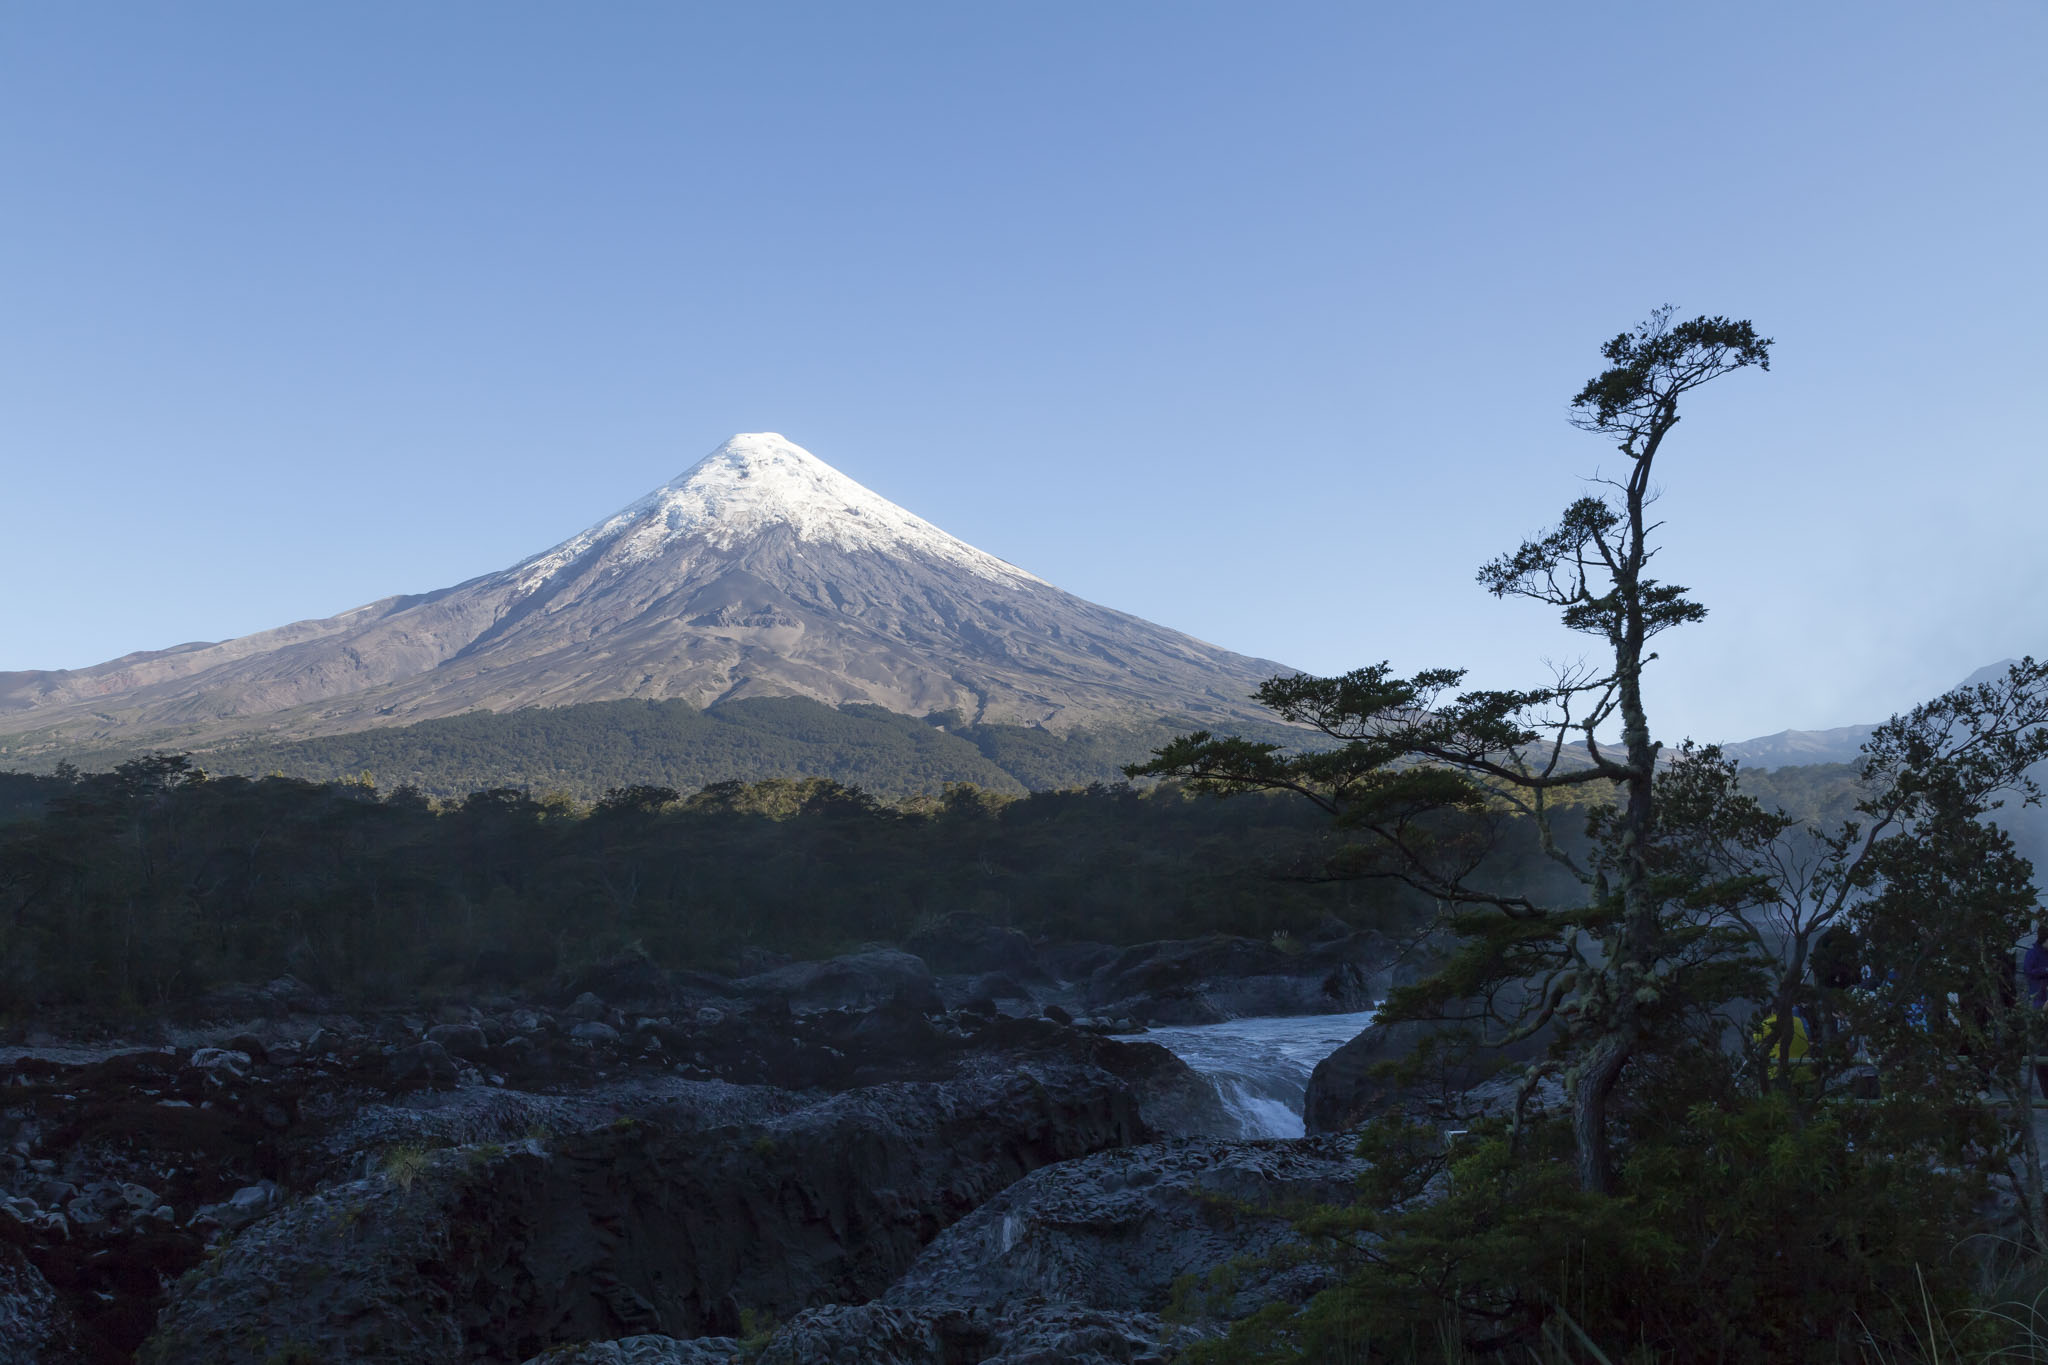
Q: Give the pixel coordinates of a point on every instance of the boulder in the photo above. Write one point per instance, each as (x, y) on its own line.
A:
(895, 1032)
(969, 945)
(857, 981)
(1175, 1100)
(1115, 1230)
(1346, 1090)
(466, 1041)
(290, 995)
(89, 1213)
(1208, 980)
(220, 1059)
(422, 1065)
(631, 982)
(241, 1208)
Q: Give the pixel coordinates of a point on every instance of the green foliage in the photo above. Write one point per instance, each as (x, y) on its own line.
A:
(1692, 1205)
(406, 1163)
(1740, 1231)
(636, 748)
(27, 795)
(1651, 364)
(1812, 794)
(757, 1329)
(145, 887)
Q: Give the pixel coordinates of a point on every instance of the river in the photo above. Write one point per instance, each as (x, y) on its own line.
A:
(1261, 1066)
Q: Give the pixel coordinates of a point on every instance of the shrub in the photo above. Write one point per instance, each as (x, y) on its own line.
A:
(1742, 1232)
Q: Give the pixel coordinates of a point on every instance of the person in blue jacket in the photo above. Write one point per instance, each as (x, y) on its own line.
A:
(2034, 966)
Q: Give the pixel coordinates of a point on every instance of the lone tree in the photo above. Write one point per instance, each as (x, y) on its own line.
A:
(1679, 1187)
(1420, 768)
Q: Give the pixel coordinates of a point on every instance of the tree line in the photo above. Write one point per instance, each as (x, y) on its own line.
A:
(586, 749)
(143, 887)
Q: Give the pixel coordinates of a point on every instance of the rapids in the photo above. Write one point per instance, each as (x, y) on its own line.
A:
(1260, 1067)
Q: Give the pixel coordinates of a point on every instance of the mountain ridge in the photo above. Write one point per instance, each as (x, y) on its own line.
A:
(760, 571)
(1839, 744)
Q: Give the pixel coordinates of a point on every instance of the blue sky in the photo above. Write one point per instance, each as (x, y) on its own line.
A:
(1255, 320)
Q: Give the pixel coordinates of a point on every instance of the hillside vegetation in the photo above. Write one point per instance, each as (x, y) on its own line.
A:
(583, 751)
(145, 887)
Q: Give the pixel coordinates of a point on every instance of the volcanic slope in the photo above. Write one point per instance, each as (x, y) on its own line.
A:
(760, 571)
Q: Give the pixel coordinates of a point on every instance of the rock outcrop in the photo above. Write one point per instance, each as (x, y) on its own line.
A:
(647, 1349)
(877, 1334)
(1166, 983)
(1118, 1229)
(1351, 1086)
(678, 1159)
(36, 1326)
(1013, 1334)
(967, 945)
(637, 1227)
(1206, 981)
(857, 981)
(1074, 1264)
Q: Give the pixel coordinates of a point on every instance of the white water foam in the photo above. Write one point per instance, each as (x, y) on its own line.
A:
(1260, 1067)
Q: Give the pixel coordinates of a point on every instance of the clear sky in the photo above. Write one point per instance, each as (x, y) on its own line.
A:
(1257, 320)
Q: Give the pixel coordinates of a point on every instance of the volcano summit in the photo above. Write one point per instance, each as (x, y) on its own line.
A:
(760, 571)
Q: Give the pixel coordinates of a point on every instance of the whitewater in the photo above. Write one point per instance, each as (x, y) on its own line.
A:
(1260, 1067)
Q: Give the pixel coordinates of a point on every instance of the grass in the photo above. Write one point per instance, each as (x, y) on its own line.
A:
(406, 1163)
(2011, 1327)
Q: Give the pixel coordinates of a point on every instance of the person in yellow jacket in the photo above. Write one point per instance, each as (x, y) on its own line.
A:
(1789, 1055)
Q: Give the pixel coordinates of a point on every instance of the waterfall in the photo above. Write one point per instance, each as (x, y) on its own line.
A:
(1260, 1067)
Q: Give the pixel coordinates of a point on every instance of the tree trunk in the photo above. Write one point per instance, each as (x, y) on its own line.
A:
(2030, 1153)
(2030, 1138)
(1594, 1083)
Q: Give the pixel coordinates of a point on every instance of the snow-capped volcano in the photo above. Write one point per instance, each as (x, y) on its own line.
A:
(755, 481)
(759, 571)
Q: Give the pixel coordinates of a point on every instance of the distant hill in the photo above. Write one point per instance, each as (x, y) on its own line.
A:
(1811, 774)
(1798, 748)
(585, 750)
(1843, 744)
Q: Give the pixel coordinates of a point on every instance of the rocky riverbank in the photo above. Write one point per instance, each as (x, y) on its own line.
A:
(661, 1157)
